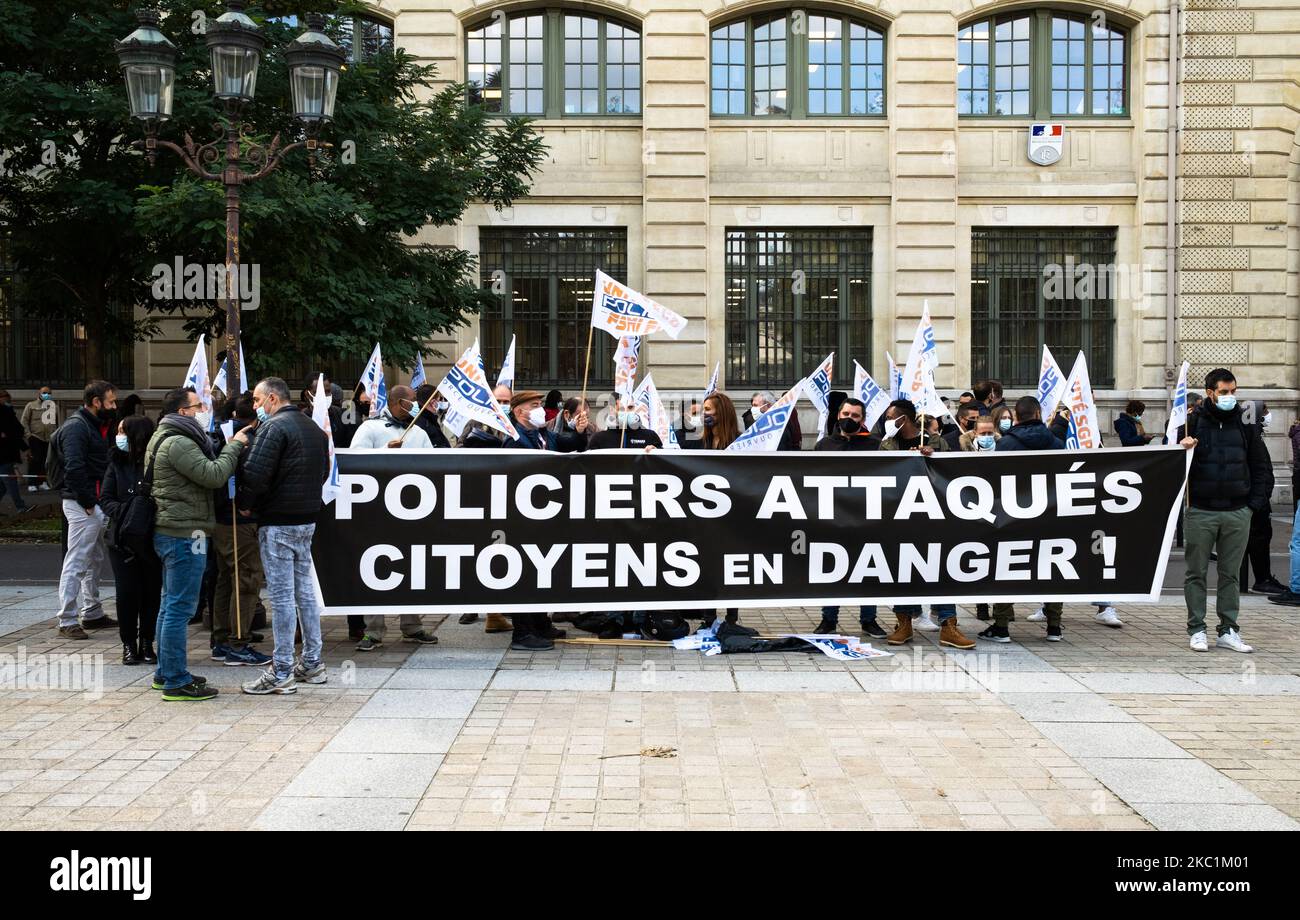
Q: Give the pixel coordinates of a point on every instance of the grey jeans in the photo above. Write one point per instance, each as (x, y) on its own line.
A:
(286, 560)
(409, 623)
(82, 564)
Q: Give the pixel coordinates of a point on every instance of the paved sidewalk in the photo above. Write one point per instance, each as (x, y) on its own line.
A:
(1108, 729)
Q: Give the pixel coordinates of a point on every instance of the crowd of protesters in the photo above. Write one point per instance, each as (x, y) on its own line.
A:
(199, 516)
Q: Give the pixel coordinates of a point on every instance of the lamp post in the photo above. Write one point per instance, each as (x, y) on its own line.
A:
(235, 45)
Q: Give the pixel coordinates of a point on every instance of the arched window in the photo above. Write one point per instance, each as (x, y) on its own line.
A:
(554, 63)
(1042, 64)
(798, 64)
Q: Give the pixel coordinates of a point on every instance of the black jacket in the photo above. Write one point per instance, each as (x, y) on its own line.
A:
(857, 442)
(1127, 429)
(121, 481)
(532, 439)
(429, 425)
(1031, 435)
(632, 438)
(1230, 465)
(791, 438)
(221, 502)
(84, 442)
(12, 442)
(284, 468)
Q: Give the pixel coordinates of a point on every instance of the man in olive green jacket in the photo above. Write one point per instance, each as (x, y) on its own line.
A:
(186, 468)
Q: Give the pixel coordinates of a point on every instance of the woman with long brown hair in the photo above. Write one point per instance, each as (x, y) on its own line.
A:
(718, 425)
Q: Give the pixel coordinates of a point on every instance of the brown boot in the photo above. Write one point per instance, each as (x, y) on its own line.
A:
(903, 634)
(498, 622)
(951, 636)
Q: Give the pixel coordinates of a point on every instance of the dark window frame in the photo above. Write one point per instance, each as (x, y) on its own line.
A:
(508, 249)
(1040, 65)
(553, 62)
(796, 64)
(852, 333)
(1008, 265)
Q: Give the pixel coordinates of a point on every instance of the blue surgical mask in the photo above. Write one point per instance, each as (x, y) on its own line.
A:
(1227, 402)
(263, 415)
(1137, 418)
(986, 441)
(1004, 424)
(122, 443)
(45, 396)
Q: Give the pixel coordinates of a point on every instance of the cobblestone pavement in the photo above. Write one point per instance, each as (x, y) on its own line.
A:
(1107, 729)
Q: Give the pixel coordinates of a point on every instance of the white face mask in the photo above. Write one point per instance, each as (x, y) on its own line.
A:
(692, 422)
(892, 426)
(203, 418)
(630, 419)
(537, 417)
(1268, 420)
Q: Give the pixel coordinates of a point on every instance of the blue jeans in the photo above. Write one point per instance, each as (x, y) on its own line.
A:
(183, 559)
(941, 611)
(286, 559)
(1295, 555)
(866, 614)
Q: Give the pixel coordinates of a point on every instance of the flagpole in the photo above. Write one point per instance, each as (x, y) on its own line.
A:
(587, 369)
(416, 415)
(234, 529)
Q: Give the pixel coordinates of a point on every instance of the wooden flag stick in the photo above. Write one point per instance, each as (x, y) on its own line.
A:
(587, 370)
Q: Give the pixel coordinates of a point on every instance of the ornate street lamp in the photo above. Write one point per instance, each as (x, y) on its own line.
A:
(235, 44)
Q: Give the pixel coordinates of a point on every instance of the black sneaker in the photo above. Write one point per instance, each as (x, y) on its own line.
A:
(158, 684)
(550, 632)
(996, 634)
(531, 644)
(1268, 586)
(190, 693)
(826, 627)
(873, 630)
(467, 618)
(1287, 598)
(424, 637)
(103, 622)
(1054, 632)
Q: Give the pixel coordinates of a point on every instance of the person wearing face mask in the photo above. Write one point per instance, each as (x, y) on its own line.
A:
(791, 437)
(186, 470)
(1128, 425)
(280, 484)
(690, 422)
(981, 437)
(82, 444)
(530, 421)
(573, 427)
(40, 419)
(718, 427)
(628, 434)
(430, 420)
(137, 571)
(1229, 480)
(903, 433)
(392, 427)
(479, 435)
(847, 431)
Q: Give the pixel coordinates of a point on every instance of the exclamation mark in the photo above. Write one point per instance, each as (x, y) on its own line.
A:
(1105, 547)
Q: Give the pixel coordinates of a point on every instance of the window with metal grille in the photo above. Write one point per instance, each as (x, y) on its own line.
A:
(40, 350)
(542, 279)
(1016, 308)
(793, 296)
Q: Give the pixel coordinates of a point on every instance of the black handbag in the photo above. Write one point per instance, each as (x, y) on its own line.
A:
(140, 515)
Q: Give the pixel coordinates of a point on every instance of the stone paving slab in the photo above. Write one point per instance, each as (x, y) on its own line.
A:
(342, 775)
(395, 736)
(333, 813)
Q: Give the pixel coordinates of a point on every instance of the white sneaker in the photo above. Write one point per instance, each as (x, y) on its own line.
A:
(1108, 617)
(924, 623)
(1038, 616)
(1232, 639)
(45, 487)
(31, 488)
(1198, 642)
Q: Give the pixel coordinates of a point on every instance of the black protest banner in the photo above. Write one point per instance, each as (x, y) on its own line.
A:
(511, 531)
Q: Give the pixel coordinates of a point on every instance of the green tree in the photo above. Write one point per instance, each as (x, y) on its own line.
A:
(338, 244)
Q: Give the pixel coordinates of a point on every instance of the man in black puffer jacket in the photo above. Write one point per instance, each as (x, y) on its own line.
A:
(1229, 480)
(1028, 433)
(281, 483)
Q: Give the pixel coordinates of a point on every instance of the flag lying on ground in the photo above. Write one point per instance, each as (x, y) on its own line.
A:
(219, 382)
(873, 396)
(1051, 384)
(895, 377)
(765, 433)
(466, 389)
(1084, 433)
(620, 311)
(626, 358)
(713, 381)
(656, 418)
(818, 389)
(372, 382)
(417, 376)
(507, 376)
(196, 376)
(320, 414)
